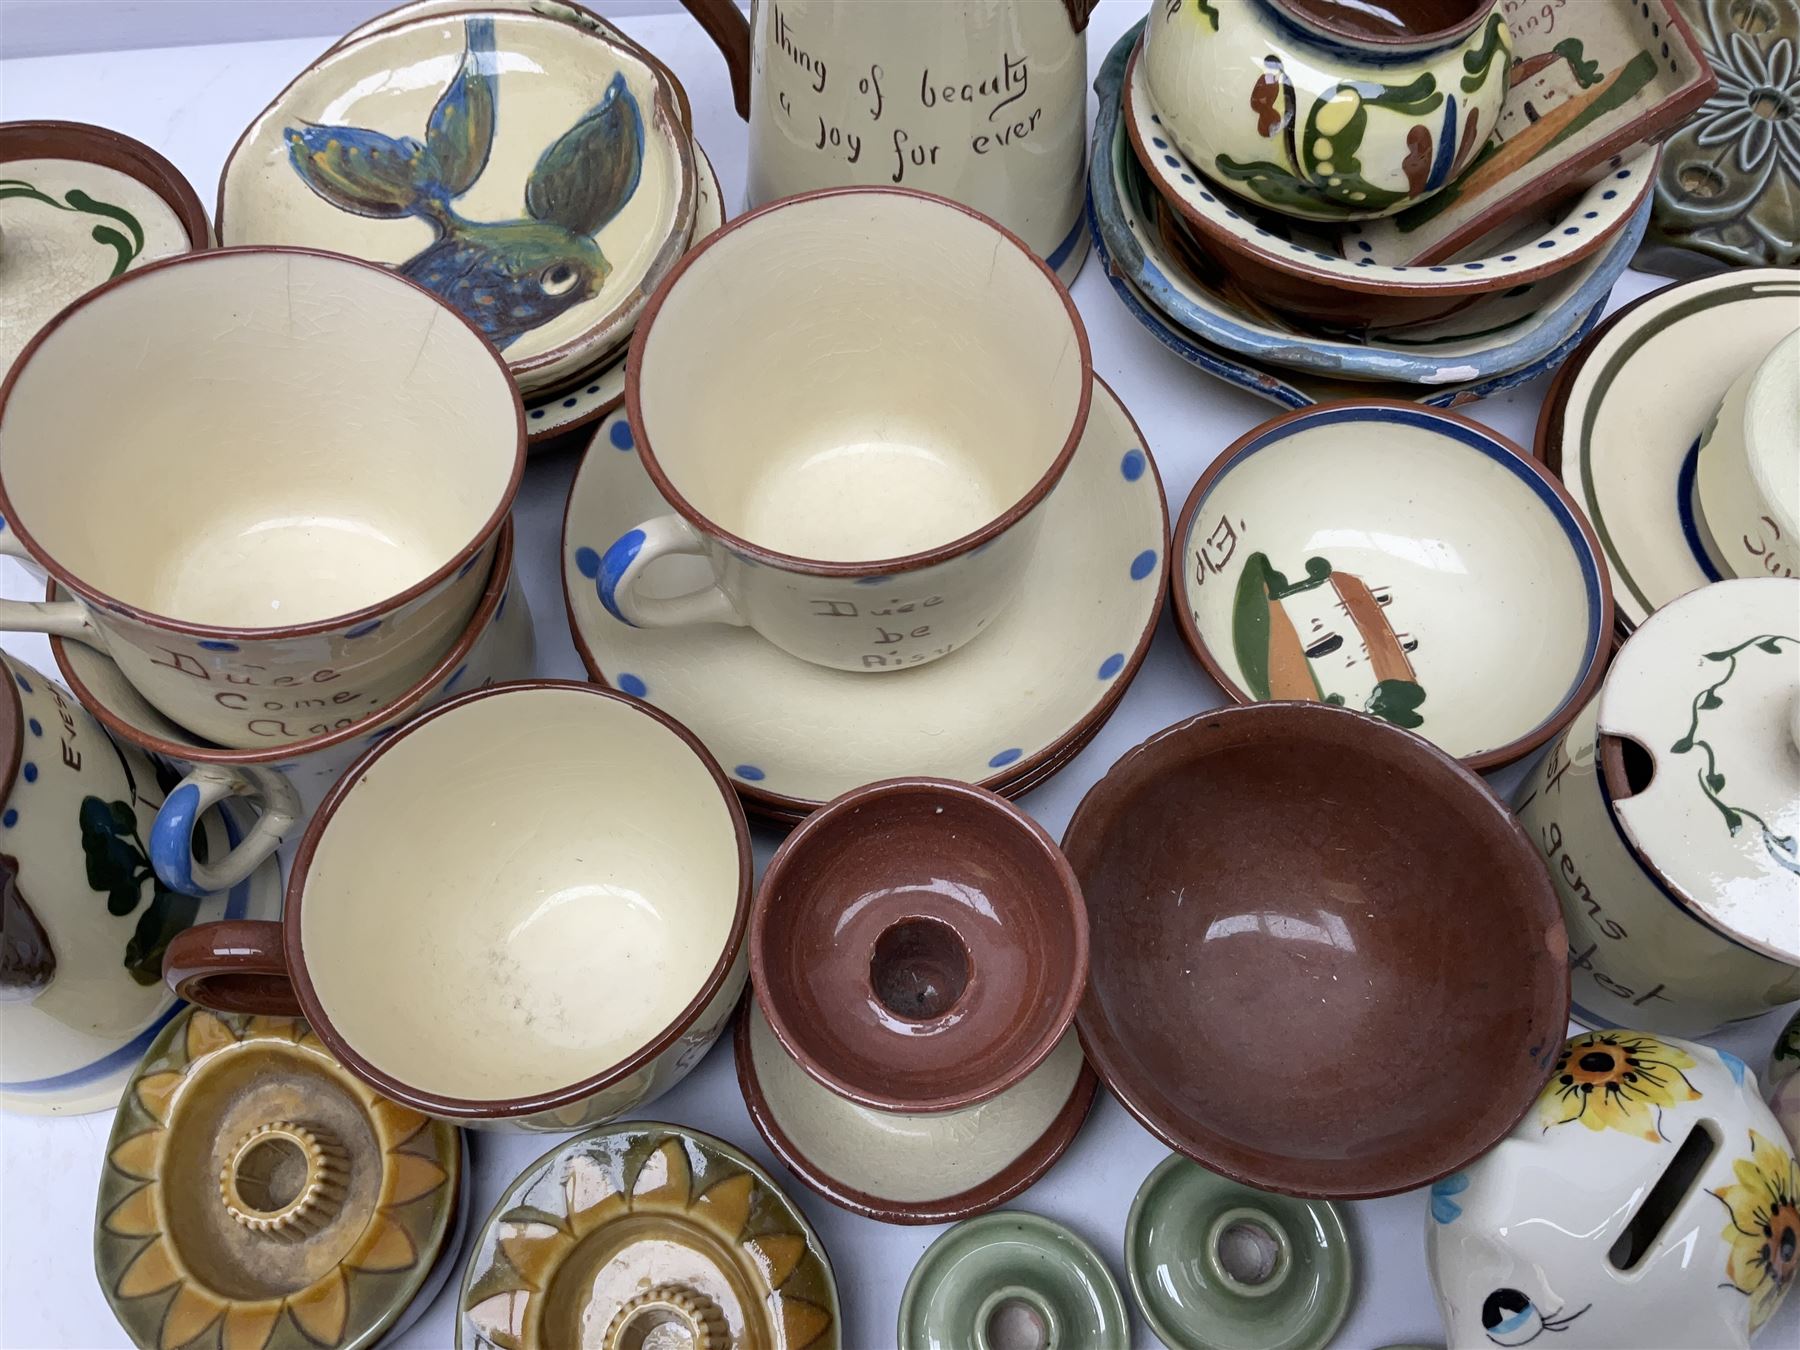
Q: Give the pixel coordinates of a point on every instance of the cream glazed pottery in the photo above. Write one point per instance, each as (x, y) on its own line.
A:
(1781, 1080)
(841, 520)
(1668, 816)
(83, 920)
(1748, 479)
(1325, 110)
(286, 781)
(1649, 1199)
(319, 525)
(982, 101)
(1004, 714)
(466, 870)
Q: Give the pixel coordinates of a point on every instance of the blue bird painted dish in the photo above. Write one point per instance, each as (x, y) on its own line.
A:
(531, 173)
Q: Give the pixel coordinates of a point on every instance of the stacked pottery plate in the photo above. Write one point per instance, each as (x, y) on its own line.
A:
(537, 173)
(1301, 311)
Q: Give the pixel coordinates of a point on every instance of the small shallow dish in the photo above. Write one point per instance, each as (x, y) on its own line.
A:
(1218, 1266)
(1622, 423)
(642, 1237)
(1341, 278)
(1289, 884)
(532, 172)
(80, 205)
(918, 945)
(792, 735)
(1401, 561)
(1012, 1281)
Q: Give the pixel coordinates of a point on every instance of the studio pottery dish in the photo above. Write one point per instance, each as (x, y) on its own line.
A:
(320, 523)
(83, 920)
(306, 750)
(1669, 812)
(1329, 111)
(1622, 423)
(646, 1236)
(79, 205)
(617, 834)
(1294, 884)
(533, 173)
(793, 735)
(1748, 478)
(867, 505)
(1403, 562)
(257, 1194)
(918, 945)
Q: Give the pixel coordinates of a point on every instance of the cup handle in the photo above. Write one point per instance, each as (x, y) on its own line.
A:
(616, 572)
(233, 966)
(172, 836)
(56, 618)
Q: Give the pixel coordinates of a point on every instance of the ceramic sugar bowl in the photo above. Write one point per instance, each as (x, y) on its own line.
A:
(1329, 111)
(1649, 1199)
(1747, 471)
(1668, 815)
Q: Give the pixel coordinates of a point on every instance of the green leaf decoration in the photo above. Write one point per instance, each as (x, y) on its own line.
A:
(1709, 700)
(94, 207)
(1715, 781)
(1771, 645)
(119, 245)
(1250, 624)
(165, 916)
(1396, 701)
(1415, 99)
(77, 200)
(1479, 63)
(1587, 73)
(116, 862)
(1682, 746)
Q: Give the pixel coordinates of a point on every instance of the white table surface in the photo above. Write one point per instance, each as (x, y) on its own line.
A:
(190, 103)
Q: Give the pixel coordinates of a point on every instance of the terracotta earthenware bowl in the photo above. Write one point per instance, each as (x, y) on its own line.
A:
(1326, 961)
(919, 945)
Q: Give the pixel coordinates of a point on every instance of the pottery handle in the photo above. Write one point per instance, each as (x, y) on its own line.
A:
(233, 966)
(57, 618)
(172, 836)
(726, 25)
(616, 574)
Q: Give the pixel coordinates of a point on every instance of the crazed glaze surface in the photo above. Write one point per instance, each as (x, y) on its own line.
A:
(1055, 664)
(243, 555)
(1397, 561)
(1556, 1230)
(1322, 124)
(1259, 881)
(1747, 484)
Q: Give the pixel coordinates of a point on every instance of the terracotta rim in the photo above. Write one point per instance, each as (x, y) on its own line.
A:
(787, 562)
(664, 109)
(862, 797)
(111, 150)
(1018, 1176)
(780, 809)
(1400, 43)
(94, 596)
(1098, 1049)
(1573, 701)
(202, 752)
(1449, 287)
(465, 1108)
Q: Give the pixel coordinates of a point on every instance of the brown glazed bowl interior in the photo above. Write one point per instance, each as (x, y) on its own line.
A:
(918, 945)
(1326, 960)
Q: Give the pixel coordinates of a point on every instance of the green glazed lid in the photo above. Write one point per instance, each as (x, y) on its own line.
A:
(1012, 1281)
(1219, 1266)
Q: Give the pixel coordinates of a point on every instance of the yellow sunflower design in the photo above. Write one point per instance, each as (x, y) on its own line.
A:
(1617, 1080)
(257, 1196)
(646, 1235)
(1764, 1228)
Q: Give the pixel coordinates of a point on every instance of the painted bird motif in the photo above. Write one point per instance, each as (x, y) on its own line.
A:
(508, 277)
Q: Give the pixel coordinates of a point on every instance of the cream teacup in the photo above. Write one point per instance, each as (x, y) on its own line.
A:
(1747, 477)
(856, 401)
(268, 477)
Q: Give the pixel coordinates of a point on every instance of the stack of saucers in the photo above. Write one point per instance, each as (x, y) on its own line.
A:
(1301, 311)
(537, 173)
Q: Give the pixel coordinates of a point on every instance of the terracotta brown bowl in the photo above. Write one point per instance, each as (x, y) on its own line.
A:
(1326, 961)
(918, 945)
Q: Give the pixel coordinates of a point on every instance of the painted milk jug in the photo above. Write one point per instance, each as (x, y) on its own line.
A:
(981, 101)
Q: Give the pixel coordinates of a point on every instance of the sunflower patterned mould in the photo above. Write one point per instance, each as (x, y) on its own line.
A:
(648, 1235)
(1649, 1199)
(258, 1196)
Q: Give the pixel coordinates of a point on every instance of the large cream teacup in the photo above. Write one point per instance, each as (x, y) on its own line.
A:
(268, 476)
(856, 401)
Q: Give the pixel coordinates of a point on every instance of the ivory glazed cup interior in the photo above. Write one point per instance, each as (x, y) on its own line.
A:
(518, 899)
(918, 379)
(284, 438)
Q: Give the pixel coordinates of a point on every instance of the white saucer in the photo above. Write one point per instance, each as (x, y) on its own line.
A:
(792, 735)
(1621, 425)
